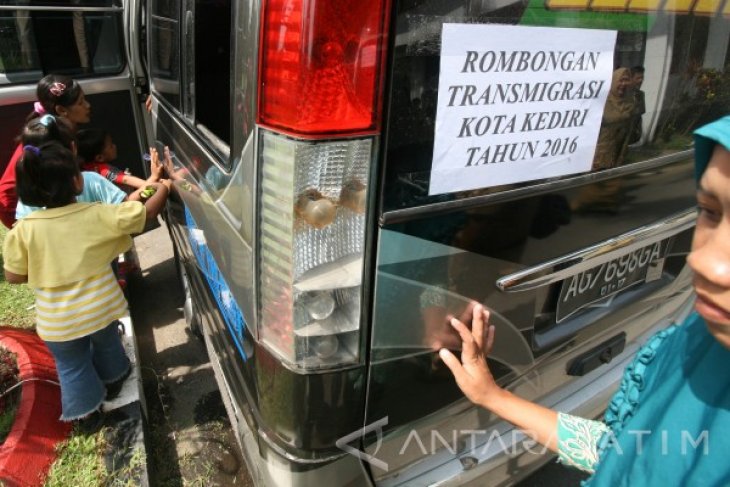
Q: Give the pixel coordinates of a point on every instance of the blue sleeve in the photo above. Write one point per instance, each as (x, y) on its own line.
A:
(97, 188)
(22, 210)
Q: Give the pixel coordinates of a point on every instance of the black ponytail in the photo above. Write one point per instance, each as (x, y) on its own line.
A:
(45, 175)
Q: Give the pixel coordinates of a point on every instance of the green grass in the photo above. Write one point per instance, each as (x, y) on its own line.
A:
(16, 301)
(129, 475)
(80, 462)
(678, 142)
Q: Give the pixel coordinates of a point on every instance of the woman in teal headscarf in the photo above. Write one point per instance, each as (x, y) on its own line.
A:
(668, 422)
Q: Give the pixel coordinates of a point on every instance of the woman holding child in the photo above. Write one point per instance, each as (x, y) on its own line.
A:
(677, 387)
(62, 103)
(59, 96)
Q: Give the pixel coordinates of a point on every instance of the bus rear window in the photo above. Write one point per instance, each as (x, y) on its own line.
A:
(667, 76)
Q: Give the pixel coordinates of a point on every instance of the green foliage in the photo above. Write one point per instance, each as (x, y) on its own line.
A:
(704, 97)
(10, 57)
(713, 86)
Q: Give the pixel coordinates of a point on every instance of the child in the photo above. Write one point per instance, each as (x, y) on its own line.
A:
(59, 96)
(48, 128)
(63, 252)
(98, 151)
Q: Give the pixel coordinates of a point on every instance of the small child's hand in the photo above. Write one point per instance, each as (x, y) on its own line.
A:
(148, 103)
(167, 183)
(12, 278)
(156, 169)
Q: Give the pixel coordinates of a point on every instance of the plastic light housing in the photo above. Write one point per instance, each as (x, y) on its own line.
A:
(310, 274)
(321, 65)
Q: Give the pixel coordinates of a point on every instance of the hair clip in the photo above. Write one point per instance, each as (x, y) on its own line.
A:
(47, 120)
(57, 89)
(31, 148)
(38, 108)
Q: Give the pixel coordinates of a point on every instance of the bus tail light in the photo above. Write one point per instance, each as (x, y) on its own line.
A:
(321, 68)
(311, 240)
(321, 65)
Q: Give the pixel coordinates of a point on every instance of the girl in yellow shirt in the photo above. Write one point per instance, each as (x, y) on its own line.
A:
(63, 252)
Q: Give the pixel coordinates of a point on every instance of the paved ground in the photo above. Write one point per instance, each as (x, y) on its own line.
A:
(188, 438)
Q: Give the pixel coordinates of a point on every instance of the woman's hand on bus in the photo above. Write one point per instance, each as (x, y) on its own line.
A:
(438, 328)
(472, 373)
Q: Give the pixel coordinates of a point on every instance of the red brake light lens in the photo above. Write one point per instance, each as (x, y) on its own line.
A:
(321, 65)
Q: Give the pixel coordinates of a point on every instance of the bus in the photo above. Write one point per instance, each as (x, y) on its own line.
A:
(350, 174)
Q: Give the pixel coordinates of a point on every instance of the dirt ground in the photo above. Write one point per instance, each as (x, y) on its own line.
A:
(189, 439)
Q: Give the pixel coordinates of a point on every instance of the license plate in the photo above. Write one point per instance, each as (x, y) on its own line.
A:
(610, 278)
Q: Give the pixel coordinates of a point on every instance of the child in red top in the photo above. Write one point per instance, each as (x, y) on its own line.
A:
(97, 150)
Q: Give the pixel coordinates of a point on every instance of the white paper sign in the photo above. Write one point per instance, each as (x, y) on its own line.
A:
(518, 103)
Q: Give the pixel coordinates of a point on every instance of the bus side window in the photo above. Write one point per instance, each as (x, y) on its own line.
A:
(190, 51)
(164, 55)
(213, 66)
(77, 42)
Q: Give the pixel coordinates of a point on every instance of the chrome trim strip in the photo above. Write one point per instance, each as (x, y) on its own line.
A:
(556, 270)
(433, 209)
(18, 93)
(51, 8)
(102, 84)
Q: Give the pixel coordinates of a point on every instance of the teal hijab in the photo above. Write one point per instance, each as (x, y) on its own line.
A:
(670, 420)
(717, 132)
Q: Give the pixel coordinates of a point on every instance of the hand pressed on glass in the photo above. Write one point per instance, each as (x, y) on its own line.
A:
(439, 331)
(472, 373)
(475, 380)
